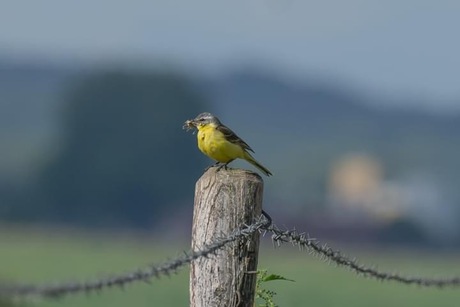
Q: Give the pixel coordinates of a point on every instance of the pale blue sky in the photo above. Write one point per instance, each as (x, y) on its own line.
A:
(396, 47)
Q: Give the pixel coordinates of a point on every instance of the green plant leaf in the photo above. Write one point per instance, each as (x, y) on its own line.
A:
(272, 277)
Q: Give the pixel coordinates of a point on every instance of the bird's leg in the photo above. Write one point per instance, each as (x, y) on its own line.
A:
(222, 165)
(213, 165)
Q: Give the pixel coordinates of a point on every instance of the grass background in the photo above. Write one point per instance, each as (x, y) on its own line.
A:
(31, 255)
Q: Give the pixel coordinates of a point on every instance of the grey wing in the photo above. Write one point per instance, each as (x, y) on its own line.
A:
(233, 138)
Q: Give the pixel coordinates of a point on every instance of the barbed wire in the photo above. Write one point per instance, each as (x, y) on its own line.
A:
(278, 236)
(325, 252)
(138, 275)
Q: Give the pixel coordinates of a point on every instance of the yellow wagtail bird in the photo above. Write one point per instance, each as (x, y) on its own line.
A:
(220, 143)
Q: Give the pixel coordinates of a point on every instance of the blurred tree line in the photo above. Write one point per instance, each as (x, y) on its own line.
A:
(123, 157)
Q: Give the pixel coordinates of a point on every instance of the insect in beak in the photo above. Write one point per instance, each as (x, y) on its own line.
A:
(189, 124)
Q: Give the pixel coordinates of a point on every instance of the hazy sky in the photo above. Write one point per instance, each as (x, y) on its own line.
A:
(394, 46)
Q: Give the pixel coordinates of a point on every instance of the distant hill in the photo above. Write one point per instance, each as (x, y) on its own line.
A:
(297, 130)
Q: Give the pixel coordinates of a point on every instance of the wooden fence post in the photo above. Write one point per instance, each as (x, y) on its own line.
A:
(225, 200)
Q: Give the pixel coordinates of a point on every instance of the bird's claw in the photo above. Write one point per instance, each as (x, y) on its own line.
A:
(219, 166)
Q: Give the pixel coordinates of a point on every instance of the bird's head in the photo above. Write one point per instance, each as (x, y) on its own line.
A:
(202, 120)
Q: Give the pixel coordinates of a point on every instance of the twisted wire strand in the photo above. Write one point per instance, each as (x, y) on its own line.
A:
(325, 252)
(138, 275)
(278, 236)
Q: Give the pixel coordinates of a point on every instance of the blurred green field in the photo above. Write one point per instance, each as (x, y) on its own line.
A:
(51, 256)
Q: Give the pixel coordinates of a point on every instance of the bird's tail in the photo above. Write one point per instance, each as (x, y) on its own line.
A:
(250, 159)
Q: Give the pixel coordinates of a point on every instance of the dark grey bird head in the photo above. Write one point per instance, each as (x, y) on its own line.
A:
(206, 118)
(202, 120)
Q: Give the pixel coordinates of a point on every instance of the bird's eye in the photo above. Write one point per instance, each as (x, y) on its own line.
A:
(201, 119)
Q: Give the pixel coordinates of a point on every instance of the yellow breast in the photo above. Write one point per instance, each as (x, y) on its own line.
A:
(213, 143)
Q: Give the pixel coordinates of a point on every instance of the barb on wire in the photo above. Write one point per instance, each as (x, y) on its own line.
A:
(139, 275)
(302, 241)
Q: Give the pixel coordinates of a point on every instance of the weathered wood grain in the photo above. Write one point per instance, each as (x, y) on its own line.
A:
(224, 201)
